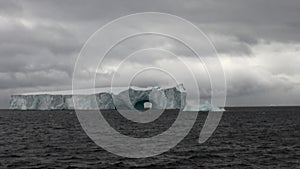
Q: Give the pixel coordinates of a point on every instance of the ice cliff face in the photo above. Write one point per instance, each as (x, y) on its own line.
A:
(160, 98)
(132, 98)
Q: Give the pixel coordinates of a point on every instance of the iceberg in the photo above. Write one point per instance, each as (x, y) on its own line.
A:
(102, 98)
(121, 98)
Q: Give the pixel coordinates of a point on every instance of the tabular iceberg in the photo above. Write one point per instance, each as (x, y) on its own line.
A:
(102, 98)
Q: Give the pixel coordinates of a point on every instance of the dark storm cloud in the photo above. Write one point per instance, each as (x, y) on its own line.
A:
(39, 40)
(270, 19)
(245, 21)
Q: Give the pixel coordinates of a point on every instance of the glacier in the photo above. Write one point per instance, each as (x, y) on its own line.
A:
(102, 98)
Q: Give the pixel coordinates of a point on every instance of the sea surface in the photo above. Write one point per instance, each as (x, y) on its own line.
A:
(255, 137)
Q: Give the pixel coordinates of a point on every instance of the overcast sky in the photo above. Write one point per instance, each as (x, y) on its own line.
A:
(258, 42)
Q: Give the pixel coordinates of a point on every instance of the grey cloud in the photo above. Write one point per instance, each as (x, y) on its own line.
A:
(43, 47)
(248, 21)
(37, 78)
(10, 7)
(274, 20)
(53, 38)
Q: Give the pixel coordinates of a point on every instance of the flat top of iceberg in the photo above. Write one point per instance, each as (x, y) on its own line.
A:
(113, 90)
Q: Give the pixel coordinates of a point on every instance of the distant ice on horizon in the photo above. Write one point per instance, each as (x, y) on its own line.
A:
(203, 107)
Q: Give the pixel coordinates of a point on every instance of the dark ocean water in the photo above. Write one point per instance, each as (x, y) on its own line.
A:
(245, 138)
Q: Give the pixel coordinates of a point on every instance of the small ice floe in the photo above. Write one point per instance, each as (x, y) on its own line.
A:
(203, 107)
